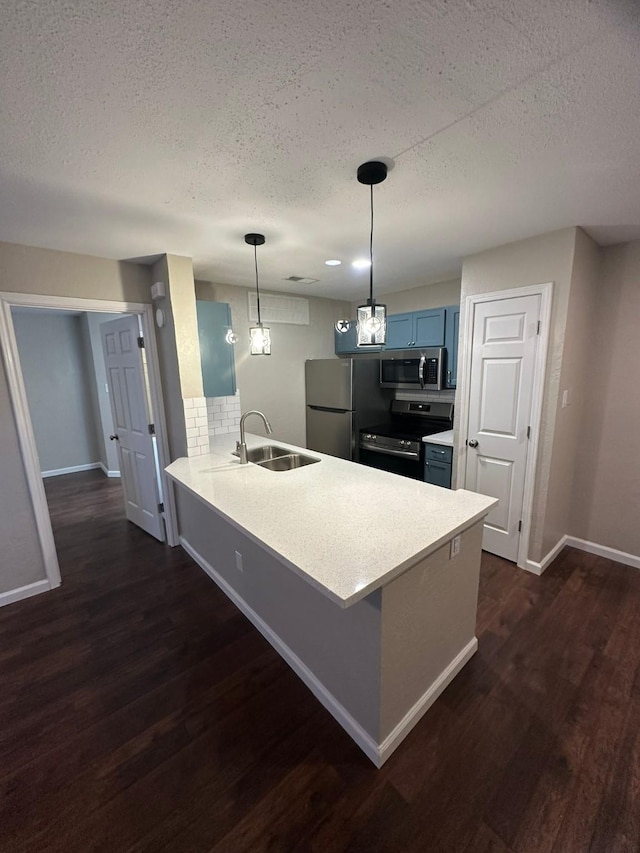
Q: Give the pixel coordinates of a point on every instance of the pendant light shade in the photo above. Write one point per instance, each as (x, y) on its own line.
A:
(372, 317)
(259, 335)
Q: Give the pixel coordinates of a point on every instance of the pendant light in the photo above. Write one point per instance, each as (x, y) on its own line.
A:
(372, 317)
(260, 336)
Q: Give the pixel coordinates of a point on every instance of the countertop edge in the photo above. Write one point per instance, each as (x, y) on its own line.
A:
(365, 591)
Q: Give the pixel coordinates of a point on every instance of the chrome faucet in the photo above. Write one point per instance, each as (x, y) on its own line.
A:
(241, 446)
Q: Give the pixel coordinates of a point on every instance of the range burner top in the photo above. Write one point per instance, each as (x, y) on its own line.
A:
(409, 421)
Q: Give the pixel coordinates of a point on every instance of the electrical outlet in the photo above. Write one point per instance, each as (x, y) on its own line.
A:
(454, 549)
(566, 398)
(239, 561)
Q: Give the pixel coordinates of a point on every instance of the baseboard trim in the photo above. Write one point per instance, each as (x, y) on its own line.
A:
(538, 568)
(583, 545)
(604, 551)
(413, 716)
(107, 472)
(376, 752)
(56, 472)
(24, 592)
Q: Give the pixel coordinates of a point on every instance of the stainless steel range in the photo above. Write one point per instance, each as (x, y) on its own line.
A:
(397, 445)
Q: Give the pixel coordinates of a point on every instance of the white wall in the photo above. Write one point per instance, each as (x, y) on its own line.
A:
(57, 380)
(275, 384)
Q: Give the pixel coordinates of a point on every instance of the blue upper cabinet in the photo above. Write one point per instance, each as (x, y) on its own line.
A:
(399, 331)
(432, 327)
(345, 342)
(452, 334)
(429, 328)
(216, 355)
(416, 329)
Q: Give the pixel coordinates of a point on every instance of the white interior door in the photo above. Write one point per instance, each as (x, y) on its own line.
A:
(504, 342)
(128, 399)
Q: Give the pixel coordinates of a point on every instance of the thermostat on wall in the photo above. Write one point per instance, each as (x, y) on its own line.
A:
(158, 290)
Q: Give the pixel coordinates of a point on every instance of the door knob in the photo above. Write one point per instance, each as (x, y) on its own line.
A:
(472, 442)
(114, 438)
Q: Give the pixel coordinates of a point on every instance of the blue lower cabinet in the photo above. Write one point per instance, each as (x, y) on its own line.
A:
(437, 465)
(216, 355)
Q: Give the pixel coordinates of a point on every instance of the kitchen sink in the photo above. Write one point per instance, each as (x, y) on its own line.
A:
(264, 453)
(287, 462)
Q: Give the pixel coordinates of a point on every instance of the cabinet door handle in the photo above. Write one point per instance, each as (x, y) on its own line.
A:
(449, 377)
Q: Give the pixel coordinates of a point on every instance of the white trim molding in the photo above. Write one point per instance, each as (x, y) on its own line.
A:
(545, 292)
(25, 592)
(376, 752)
(588, 547)
(73, 469)
(107, 472)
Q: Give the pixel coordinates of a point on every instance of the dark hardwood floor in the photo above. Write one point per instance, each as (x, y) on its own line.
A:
(140, 711)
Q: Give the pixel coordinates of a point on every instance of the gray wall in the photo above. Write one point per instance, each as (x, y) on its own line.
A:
(20, 555)
(533, 261)
(426, 296)
(275, 384)
(169, 369)
(568, 436)
(24, 269)
(58, 382)
(307, 621)
(606, 507)
(100, 396)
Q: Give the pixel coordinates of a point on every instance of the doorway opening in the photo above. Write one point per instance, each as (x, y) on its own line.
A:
(87, 400)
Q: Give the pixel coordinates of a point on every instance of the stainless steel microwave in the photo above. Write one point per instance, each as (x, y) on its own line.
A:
(417, 370)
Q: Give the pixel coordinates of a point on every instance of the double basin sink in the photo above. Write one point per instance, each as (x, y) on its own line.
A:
(275, 458)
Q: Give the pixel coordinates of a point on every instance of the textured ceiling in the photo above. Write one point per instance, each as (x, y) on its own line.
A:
(134, 128)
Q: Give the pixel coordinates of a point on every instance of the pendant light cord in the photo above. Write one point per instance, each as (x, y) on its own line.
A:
(255, 259)
(371, 253)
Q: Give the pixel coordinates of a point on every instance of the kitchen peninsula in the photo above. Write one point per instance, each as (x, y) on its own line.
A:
(365, 582)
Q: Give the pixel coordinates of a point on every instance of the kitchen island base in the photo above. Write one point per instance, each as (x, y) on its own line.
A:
(376, 665)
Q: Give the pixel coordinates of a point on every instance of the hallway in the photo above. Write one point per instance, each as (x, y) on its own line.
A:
(141, 711)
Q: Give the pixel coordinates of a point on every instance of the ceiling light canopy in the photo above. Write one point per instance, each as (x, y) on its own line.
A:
(372, 317)
(334, 262)
(361, 264)
(259, 335)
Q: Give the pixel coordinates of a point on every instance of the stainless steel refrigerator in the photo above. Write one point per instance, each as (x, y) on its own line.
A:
(343, 395)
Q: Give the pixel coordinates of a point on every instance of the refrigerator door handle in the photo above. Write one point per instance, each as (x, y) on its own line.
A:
(328, 409)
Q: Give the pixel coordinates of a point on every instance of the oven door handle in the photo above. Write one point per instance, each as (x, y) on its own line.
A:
(423, 359)
(407, 454)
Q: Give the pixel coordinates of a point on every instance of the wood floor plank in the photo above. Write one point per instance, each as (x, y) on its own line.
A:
(141, 712)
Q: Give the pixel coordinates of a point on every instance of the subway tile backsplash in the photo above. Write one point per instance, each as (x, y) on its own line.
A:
(208, 416)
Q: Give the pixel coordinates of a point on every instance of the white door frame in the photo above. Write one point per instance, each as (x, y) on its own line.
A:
(26, 437)
(545, 291)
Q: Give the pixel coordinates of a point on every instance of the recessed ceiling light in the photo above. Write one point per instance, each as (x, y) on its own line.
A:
(361, 264)
(333, 263)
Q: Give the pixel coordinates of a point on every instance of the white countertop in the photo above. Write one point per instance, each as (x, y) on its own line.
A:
(345, 528)
(445, 438)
